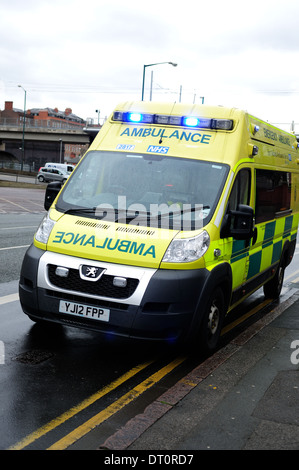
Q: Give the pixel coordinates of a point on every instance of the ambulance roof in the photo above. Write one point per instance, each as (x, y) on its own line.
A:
(188, 131)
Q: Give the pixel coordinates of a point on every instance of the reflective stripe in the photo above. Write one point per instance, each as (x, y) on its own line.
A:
(288, 226)
(267, 250)
(254, 264)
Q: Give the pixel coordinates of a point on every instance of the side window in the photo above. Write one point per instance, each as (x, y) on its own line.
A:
(273, 194)
(240, 194)
(241, 190)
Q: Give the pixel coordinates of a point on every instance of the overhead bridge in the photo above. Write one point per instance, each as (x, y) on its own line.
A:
(68, 136)
(43, 141)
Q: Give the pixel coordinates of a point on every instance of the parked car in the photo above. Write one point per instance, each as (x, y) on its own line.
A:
(68, 167)
(52, 174)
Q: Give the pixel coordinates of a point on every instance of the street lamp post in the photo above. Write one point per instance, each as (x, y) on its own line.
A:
(24, 117)
(98, 112)
(151, 65)
(60, 150)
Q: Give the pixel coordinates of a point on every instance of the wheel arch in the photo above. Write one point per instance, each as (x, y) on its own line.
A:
(220, 276)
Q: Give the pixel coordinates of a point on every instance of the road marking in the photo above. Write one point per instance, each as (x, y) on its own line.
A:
(291, 275)
(115, 407)
(17, 228)
(244, 317)
(18, 205)
(9, 298)
(104, 414)
(38, 204)
(76, 409)
(14, 247)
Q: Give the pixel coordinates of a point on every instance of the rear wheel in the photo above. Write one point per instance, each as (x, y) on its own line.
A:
(273, 288)
(212, 322)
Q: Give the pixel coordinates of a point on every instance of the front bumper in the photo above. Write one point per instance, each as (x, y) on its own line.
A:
(156, 304)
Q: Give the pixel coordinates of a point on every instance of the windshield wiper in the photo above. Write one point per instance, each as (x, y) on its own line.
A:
(75, 210)
(129, 215)
(125, 216)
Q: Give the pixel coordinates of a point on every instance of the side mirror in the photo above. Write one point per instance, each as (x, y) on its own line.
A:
(238, 224)
(51, 193)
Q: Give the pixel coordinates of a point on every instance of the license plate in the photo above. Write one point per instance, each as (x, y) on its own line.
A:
(86, 311)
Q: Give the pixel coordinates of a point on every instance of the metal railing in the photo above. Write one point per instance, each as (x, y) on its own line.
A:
(18, 166)
(38, 124)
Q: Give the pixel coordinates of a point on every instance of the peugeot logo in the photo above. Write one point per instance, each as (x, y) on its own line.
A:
(90, 273)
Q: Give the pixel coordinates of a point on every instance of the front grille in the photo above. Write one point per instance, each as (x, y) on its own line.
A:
(103, 287)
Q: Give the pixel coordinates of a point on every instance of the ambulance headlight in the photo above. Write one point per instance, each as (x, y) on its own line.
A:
(44, 230)
(188, 249)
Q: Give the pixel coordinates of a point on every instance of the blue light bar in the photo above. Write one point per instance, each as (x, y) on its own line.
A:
(168, 120)
(196, 122)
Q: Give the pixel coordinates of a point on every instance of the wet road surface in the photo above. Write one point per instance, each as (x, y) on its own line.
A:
(68, 388)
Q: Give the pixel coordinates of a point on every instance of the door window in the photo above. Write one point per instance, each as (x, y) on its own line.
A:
(241, 190)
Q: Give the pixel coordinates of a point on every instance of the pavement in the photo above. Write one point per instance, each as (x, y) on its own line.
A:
(244, 397)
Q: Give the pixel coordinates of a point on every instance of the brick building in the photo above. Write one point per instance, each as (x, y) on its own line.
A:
(11, 115)
(52, 117)
(37, 153)
(43, 117)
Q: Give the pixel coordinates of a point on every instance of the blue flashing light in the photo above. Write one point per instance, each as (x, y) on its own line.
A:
(191, 121)
(135, 117)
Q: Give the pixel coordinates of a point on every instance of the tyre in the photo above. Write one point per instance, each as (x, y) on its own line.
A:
(273, 288)
(212, 322)
(41, 179)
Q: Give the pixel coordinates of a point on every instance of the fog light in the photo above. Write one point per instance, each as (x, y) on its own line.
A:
(61, 272)
(120, 282)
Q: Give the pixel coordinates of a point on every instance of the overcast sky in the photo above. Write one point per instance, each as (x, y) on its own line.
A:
(89, 55)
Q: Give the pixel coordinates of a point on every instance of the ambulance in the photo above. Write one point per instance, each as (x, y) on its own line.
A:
(174, 216)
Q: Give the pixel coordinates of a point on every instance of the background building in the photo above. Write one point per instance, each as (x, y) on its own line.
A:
(49, 117)
(48, 135)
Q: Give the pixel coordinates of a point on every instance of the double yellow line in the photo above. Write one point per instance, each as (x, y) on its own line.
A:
(117, 405)
(244, 317)
(292, 275)
(103, 415)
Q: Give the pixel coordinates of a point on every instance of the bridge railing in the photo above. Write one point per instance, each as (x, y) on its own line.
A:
(17, 123)
(17, 167)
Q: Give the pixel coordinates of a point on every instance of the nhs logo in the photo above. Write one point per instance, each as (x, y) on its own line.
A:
(157, 149)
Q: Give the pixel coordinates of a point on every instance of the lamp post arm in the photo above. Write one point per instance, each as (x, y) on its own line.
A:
(151, 65)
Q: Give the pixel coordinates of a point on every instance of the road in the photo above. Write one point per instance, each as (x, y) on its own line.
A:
(16, 178)
(65, 388)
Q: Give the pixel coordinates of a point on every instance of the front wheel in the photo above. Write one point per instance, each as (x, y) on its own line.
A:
(212, 322)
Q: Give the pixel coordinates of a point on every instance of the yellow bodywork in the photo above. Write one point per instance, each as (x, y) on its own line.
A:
(251, 144)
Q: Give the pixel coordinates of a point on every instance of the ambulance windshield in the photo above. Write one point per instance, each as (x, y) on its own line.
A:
(141, 189)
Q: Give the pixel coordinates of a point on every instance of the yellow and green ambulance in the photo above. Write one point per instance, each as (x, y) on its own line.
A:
(175, 215)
